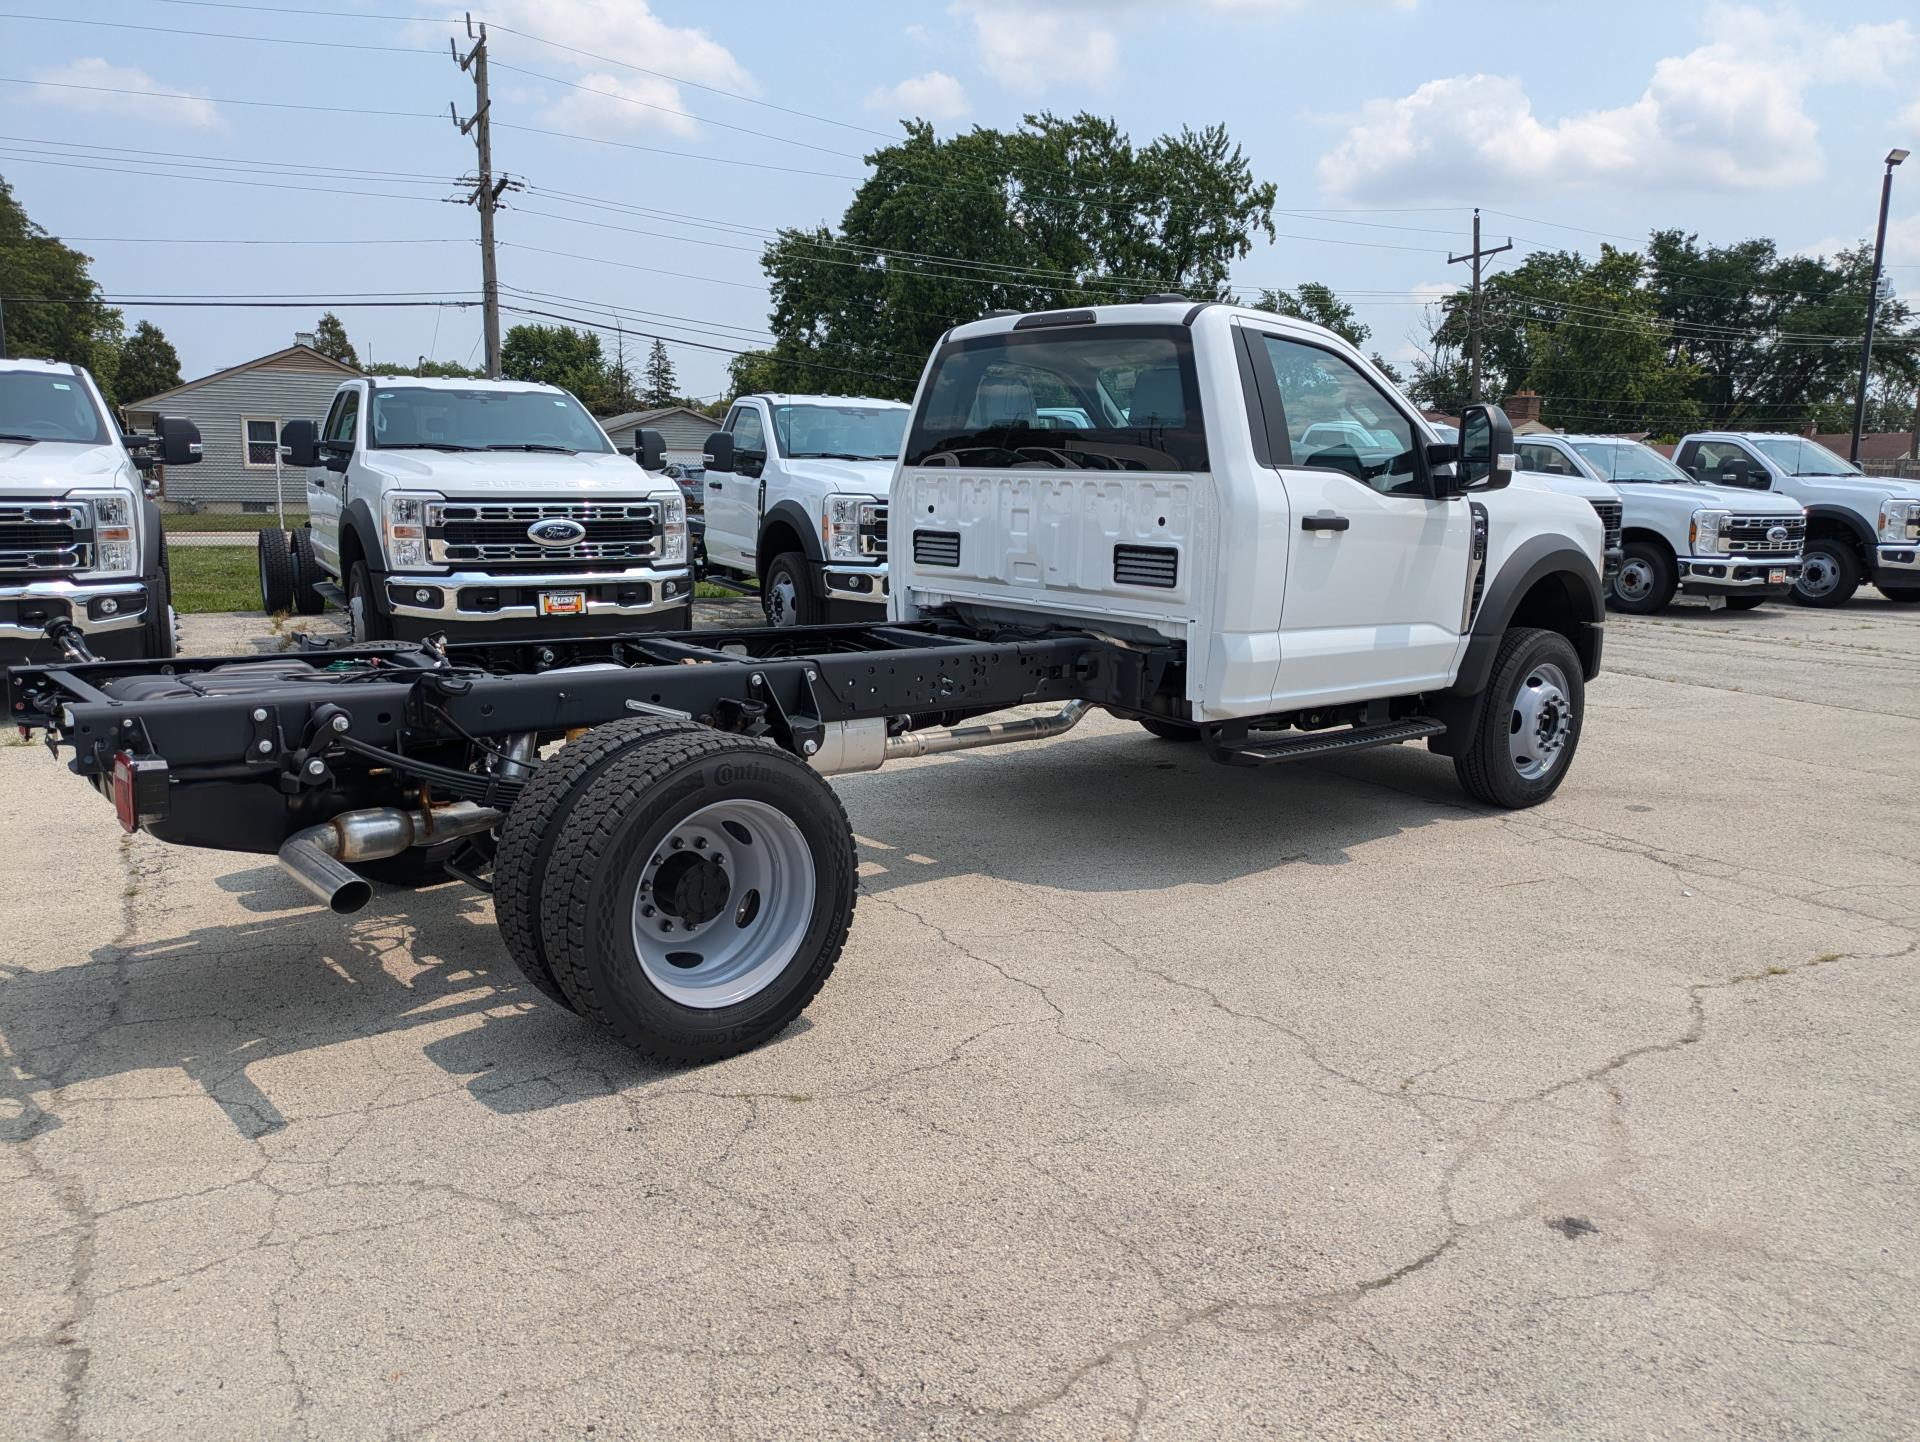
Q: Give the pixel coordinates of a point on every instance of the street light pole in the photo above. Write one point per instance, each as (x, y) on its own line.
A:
(1894, 157)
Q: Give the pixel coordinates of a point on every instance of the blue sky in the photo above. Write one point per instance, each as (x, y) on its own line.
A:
(1386, 121)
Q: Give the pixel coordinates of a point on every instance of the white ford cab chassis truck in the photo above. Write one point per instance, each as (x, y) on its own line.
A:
(1859, 527)
(1737, 548)
(796, 499)
(1227, 553)
(80, 538)
(478, 508)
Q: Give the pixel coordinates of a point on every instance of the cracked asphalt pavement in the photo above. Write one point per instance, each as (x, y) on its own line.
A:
(1150, 1099)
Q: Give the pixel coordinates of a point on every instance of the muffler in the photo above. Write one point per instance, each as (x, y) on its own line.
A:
(317, 856)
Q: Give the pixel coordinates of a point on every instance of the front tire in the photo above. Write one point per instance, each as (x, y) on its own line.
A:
(160, 629)
(365, 620)
(276, 570)
(698, 894)
(1745, 603)
(786, 593)
(1829, 573)
(1902, 595)
(1169, 730)
(1530, 722)
(1645, 582)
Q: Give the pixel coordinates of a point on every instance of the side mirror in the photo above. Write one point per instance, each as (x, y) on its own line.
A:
(1486, 449)
(300, 443)
(719, 451)
(650, 449)
(179, 440)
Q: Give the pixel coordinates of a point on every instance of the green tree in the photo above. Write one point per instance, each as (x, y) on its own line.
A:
(1312, 301)
(558, 355)
(1055, 213)
(55, 311)
(450, 370)
(148, 364)
(661, 382)
(330, 339)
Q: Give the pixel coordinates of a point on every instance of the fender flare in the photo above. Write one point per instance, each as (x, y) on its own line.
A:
(1848, 521)
(153, 550)
(807, 526)
(359, 518)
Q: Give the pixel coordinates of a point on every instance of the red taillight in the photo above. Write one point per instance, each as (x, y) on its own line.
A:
(139, 790)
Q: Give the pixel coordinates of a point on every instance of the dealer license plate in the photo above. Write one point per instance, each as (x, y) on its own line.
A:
(1777, 578)
(563, 603)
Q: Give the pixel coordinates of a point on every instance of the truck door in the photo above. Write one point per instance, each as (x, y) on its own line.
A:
(733, 498)
(1376, 567)
(327, 489)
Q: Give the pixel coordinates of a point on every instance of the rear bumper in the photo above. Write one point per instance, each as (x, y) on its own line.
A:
(1738, 575)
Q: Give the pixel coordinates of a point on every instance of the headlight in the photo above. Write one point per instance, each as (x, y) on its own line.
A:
(840, 527)
(1708, 533)
(116, 550)
(1899, 521)
(403, 518)
(673, 528)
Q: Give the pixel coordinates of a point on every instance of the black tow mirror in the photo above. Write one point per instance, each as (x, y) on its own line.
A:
(719, 451)
(179, 441)
(650, 449)
(300, 443)
(1486, 449)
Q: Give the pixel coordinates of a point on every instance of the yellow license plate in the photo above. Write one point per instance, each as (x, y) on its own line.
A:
(563, 603)
(1776, 578)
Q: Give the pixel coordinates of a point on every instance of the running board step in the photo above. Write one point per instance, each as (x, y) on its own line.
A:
(1304, 745)
(331, 593)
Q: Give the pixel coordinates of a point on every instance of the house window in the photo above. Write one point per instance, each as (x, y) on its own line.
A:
(261, 435)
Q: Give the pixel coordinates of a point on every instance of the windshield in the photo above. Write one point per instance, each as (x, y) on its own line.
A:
(38, 406)
(429, 418)
(1630, 461)
(1016, 399)
(1798, 456)
(815, 432)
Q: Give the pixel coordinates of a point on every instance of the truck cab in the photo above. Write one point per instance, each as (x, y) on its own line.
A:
(796, 500)
(494, 509)
(81, 540)
(1733, 548)
(1860, 528)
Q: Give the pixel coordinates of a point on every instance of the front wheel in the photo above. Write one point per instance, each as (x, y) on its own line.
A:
(1530, 721)
(365, 620)
(1829, 573)
(698, 894)
(161, 627)
(1169, 730)
(787, 596)
(1645, 581)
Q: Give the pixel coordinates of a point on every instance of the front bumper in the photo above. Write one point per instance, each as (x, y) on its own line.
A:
(27, 607)
(1738, 575)
(488, 598)
(842, 581)
(1899, 562)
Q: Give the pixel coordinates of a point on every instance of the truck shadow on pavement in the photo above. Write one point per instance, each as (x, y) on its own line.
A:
(1102, 813)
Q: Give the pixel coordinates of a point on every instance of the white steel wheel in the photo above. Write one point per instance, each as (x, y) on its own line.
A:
(724, 904)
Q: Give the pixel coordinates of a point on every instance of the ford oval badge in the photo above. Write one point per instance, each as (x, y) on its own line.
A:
(556, 531)
(1777, 533)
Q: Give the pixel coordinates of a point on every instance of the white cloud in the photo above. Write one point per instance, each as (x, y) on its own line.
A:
(615, 30)
(1730, 114)
(933, 96)
(124, 90)
(1033, 47)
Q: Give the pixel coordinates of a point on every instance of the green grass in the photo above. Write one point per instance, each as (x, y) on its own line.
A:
(214, 578)
(244, 521)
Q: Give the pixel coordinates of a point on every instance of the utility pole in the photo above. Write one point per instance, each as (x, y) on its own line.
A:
(3, 330)
(486, 190)
(1476, 255)
(1894, 157)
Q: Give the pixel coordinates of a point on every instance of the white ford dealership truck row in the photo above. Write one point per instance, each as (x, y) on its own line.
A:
(796, 500)
(1243, 538)
(80, 538)
(488, 509)
(1859, 527)
(1739, 548)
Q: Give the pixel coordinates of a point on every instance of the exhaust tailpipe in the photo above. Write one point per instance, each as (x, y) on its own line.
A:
(936, 739)
(317, 856)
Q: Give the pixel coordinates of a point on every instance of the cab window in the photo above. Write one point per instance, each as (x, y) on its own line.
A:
(1547, 459)
(1338, 420)
(749, 434)
(1726, 463)
(344, 417)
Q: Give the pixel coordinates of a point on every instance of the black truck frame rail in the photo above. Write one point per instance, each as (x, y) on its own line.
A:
(239, 752)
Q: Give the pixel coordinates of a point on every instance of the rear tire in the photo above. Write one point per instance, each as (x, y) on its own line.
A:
(1645, 582)
(365, 620)
(1530, 722)
(786, 593)
(276, 570)
(1829, 573)
(698, 894)
(307, 575)
(1746, 603)
(1169, 730)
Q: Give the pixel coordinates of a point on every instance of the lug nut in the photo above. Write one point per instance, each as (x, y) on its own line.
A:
(676, 843)
(699, 843)
(646, 911)
(666, 926)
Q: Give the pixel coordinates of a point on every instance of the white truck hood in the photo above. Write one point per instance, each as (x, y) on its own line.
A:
(1869, 490)
(847, 478)
(1725, 498)
(55, 467)
(478, 474)
(1581, 486)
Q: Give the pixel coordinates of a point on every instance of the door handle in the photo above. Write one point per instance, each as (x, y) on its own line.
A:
(1324, 523)
(713, 485)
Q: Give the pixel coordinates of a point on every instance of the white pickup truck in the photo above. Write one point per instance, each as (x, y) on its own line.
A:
(1737, 548)
(1859, 527)
(487, 509)
(797, 501)
(81, 540)
(1214, 554)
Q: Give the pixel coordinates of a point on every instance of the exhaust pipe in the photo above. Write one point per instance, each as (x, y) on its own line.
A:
(316, 857)
(936, 739)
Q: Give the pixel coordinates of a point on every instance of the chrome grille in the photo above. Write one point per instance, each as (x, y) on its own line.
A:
(41, 537)
(495, 532)
(1747, 536)
(873, 530)
(1610, 518)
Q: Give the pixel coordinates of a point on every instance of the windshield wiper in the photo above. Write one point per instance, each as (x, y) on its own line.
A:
(529, 446)
(838, 456)
(425, 446)
(29, 439)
